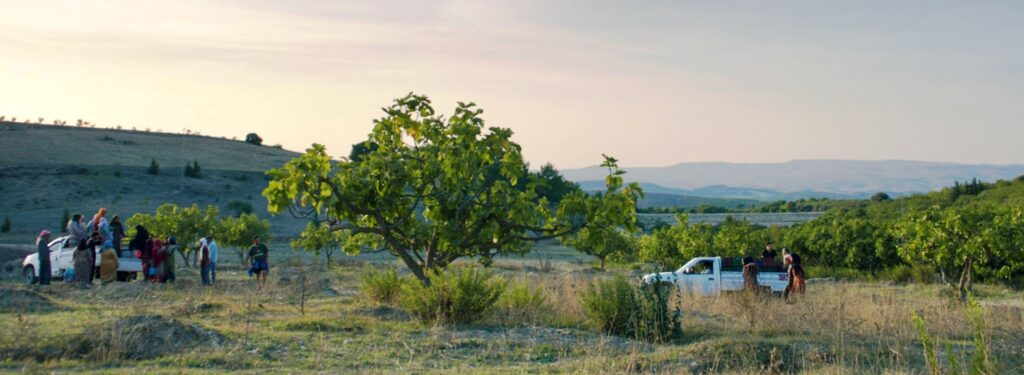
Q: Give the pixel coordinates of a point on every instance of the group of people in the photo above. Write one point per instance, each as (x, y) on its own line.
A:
(795, 275)
(156, 254)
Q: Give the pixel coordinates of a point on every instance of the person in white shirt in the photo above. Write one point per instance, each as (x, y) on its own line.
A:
(212, 244)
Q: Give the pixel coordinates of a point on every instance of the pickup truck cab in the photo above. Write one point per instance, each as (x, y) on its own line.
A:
(711, 276)
(62, 252)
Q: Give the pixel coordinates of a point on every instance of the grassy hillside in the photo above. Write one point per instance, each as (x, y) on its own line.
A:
(25, 144)
(47, 169)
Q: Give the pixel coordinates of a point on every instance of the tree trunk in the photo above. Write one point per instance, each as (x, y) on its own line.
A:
(966, 282)
(602, 262)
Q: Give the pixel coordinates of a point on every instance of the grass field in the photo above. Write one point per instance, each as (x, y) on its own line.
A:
(137, 327)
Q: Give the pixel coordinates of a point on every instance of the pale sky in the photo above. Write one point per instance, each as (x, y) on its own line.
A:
(653, 84)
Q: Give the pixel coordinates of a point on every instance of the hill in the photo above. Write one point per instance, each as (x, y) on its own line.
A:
(835, 179)
(47, 169)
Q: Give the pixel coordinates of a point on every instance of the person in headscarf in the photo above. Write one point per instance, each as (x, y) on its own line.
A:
(159, 258)
(85, 259)
(76, 228)
(138, 246)
(43, 251)
(117, 232)
(108, 266)
(795, 275)
(100, 225)
(168, 265)
(204, 262)
(750, 275)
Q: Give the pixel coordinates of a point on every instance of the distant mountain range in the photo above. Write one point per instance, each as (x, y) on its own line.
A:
(836, 179)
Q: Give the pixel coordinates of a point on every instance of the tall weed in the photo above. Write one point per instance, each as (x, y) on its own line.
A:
(382, 286)
(458, 296)
(616, 307)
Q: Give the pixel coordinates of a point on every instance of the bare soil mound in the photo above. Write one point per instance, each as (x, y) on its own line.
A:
(23, 300)
(144, 337)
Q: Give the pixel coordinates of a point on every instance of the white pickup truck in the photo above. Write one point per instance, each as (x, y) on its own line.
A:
(62, 252)
(711, 276)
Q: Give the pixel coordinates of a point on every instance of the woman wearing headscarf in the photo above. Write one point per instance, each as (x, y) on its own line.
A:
(76, 227)
(158, 260)
(117, 232)
(138, 247)
(108, 266)
(167, 267)
(204, 261)
(85, 259)
(99, 224)
(43, 251)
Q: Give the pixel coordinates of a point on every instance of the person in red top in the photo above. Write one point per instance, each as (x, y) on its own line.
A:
(158, 259)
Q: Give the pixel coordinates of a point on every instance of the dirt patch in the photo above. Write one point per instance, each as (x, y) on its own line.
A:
(22, 300)
(143, 337)
(384, 313)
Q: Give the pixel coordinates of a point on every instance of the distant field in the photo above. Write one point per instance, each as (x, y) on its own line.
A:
(782, 219)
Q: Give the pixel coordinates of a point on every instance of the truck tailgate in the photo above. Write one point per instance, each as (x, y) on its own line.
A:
(129, 265)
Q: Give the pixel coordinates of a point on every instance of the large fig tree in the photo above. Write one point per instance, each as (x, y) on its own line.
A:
(431, 189)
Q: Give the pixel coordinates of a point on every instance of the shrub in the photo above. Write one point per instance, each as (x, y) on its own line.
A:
(522, 303)
(239, 207)
(454, 297)
(193, 170)
(154, 167)
(6, 226)
(253, 139)
(381, 285)
(616, 307)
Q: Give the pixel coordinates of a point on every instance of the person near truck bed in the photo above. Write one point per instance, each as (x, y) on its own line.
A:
(138, 246)
(85, 259)
(167, 271)
(117, 231)
(99, 224)
(108, 266)
(750, 275)
(159, 259)
(259, 255)
(43, 251)
(768, 255)
(795, 276)
(76, 228)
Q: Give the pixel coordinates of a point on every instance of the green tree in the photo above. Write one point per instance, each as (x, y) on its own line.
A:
(733, 238)
(438, 189)
(318, 238)
(6, 226)
(551, 185)
(187, 225)
(154, 167)
(253, 139)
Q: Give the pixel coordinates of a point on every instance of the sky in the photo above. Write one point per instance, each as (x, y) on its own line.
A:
(652, 83)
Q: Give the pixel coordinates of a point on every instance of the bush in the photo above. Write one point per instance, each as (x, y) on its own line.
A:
(239, 207)
(616, 307)
(253, 139)
(903, 273)
(6, 226)
(193, 170)
(154, 167)
(522, 303)
(455, 297)
(381, 286)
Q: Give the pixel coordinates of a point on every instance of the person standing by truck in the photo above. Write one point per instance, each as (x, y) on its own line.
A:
(795, 275)
(117, 231)
(76, 228)
(167, 270)
(108, 266)
(750, 275)
(43, 251)
(85, 259)
(259, 253)
(768, 255)
(204, 262)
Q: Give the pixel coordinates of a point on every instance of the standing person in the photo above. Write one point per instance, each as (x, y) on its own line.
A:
(138, 246)
(99, 224)
(93, 242)
(43, 251)
(85, 259)
(76, 227)
(768, 255)
(212, 244)
(108, 266)
(750, 275)
(168, 264)
(259, 253)
(117, 232)
(204, 262)
(795, 275)
(159, 258)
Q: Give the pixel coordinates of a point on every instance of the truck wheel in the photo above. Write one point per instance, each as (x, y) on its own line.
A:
(30, 275)
(123, 276)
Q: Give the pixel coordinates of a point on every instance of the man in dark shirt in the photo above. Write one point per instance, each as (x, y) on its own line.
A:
(259, 254)
(768, 255)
